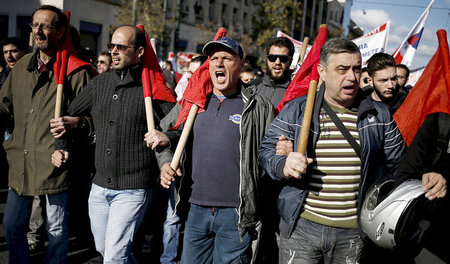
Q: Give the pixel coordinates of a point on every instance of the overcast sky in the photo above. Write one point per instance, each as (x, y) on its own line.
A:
(403, 15)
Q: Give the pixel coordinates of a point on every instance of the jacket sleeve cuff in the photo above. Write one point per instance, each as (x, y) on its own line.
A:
(280, 167)
(61, 144)
(164, 157)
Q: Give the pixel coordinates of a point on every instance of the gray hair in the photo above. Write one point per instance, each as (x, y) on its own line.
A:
(336, 45)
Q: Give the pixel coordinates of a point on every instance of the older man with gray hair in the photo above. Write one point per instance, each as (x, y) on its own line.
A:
(353, 143)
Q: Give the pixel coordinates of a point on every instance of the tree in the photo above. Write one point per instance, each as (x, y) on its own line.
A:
(276, 15)
(149, 14)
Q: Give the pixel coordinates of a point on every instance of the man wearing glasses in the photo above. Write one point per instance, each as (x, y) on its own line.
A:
(126, 167)
(279, 58)
(27, 100)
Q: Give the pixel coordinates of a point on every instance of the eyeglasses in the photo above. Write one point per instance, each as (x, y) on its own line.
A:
(274, 57)
(121, 48)
(100, 61)
(44, 27)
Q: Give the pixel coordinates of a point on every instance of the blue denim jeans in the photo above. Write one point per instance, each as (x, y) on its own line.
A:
(311, 243)
(171, 235)
(212, 236)
(15, 222)
(115, 217)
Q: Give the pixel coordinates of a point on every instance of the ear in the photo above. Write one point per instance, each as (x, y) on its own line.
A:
(140, 53)
(60, 32)
(370, 81)
(321, 71)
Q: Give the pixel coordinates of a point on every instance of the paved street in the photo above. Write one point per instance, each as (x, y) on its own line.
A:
(147, 248)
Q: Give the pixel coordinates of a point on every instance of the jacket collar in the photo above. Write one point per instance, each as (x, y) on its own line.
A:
(33, 63)
(129, 74)
(269, 82)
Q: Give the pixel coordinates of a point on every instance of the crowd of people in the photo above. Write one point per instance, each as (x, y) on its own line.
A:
(242, 192)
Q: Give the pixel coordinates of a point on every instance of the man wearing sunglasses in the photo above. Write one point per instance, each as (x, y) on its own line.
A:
(279, 58)
(27, 100)
(126, 167)
(273, 86)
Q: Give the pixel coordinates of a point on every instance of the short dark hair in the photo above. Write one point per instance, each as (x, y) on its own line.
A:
(199, 58)
(105, 53)
(363, 70)
(169, 63)
(403, 66)
(281, 42)
(248, 68)
(62, 19)
(336, 45)
(21, 45)
(380, 61)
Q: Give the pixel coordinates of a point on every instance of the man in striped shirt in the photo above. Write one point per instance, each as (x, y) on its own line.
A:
(324, 189)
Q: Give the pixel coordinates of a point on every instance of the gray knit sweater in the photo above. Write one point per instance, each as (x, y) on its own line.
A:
(115, 102)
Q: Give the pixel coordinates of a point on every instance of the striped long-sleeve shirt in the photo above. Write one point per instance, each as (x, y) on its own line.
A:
(333, 184)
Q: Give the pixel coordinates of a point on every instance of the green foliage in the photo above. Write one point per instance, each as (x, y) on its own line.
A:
(276, 15)
(149, 13)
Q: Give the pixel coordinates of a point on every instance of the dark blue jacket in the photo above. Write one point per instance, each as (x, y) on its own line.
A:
(382, 147)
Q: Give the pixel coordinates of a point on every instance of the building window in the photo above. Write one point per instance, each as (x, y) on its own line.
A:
(3, 27)
(23, 23)
(224, 15)
(211, 10)
(89, 34)
(184, 9)
(245, 23)
(198, 11)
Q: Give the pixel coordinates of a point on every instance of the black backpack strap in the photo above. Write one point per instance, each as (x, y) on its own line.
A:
(342, 128)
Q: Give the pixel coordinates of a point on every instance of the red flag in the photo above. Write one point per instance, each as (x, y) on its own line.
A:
(198, 88)
(66, 60)
(153, 81)
(431, 93)
(307, 72)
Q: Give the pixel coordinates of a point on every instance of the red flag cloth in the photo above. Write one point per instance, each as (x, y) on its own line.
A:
(308, 71)
(153, 82)
(66, 60)
(431, 93)
(198, 88)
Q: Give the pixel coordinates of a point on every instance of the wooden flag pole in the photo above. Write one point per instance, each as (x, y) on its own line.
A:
(184, 137)
(59, 94)
(306, 123)
(303, 50)
(149, 113)
(153, 42)
(148, 100)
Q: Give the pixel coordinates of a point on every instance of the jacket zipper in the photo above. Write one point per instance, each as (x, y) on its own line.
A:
(240, 169)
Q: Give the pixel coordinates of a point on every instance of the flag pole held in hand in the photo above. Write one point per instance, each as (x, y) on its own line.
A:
(153, 82)
(307, 115)
(194, 100)
(62, 59)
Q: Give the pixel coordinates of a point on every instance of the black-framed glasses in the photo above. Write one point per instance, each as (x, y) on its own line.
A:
(34, 26)
(100, 61)
(274, 57)
(121, 48)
